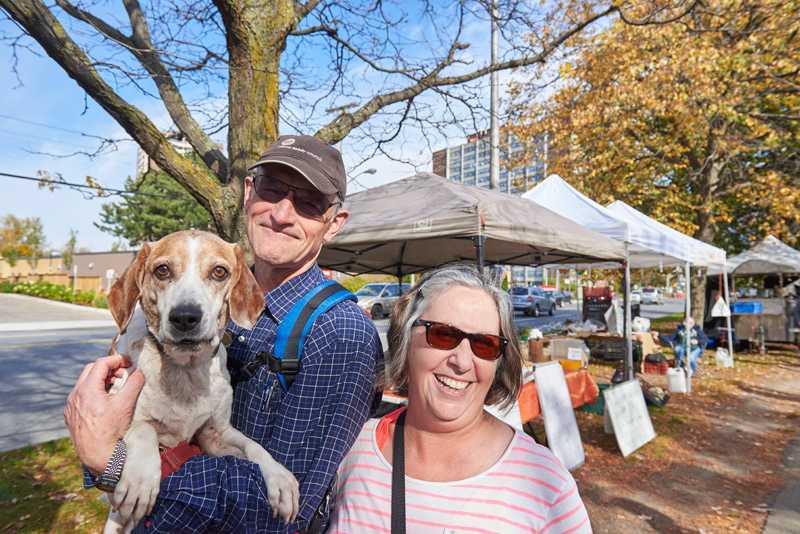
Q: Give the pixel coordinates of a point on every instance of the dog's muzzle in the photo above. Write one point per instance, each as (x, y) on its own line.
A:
(185, 318)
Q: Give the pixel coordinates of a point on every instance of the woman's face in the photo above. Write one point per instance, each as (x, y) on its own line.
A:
(448, 387)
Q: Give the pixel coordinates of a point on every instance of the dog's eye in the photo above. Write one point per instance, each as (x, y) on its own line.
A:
(219, 273)
(162, 271)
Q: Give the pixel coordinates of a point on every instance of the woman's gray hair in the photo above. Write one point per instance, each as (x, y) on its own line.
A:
(508, 377)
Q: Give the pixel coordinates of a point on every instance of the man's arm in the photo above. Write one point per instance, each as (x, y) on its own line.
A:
(701, 336)
(97, 420)
(309, 432)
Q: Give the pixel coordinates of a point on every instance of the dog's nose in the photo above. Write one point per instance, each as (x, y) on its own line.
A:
(185, 318)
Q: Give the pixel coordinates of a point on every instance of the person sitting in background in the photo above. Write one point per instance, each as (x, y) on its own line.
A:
(454, 347)
(697, 339)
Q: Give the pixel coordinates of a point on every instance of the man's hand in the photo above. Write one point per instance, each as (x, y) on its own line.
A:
(693, 342)
(97, 420)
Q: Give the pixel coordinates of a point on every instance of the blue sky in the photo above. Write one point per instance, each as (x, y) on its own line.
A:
(45, 117)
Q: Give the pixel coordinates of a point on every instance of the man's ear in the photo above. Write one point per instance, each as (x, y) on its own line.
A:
(336, 224)
(248, 193)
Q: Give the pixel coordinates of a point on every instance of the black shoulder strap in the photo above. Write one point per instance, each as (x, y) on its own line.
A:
(399, 477)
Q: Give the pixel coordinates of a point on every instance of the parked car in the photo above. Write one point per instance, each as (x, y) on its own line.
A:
(379, 299)
(531, 300)
(652, 296)
(636, 296)
(556, 296)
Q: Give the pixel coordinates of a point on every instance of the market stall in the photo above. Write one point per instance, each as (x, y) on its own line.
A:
(703, 255)
(644, 246)
(766, 313)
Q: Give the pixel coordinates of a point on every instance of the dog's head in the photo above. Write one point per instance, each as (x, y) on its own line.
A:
(189, 284)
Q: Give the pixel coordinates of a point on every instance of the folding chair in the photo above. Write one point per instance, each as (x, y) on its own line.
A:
(701, 358)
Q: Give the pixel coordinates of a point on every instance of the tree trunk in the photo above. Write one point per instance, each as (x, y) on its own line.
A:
(256, 38)
(706, 231)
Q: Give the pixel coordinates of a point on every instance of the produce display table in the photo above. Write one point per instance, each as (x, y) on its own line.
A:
(649, 345)
(582, 389)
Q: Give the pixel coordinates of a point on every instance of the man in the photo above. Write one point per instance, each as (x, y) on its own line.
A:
(293, 203)
(697, 340)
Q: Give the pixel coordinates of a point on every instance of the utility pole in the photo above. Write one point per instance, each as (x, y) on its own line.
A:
(494, 132)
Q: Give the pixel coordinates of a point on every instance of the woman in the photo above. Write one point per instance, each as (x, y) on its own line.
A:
(453, 345)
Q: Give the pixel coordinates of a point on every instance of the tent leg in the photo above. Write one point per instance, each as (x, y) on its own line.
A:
(477, 242)
(627, 371)
(728, 318)
(687, 337)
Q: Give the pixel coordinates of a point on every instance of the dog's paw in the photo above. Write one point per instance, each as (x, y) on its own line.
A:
(283, 491)
(137, 490)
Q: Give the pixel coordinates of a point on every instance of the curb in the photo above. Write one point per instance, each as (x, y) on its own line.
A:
(54, 325)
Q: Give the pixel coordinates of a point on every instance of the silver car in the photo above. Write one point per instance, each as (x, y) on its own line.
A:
(379, 299)
(531, 300)
(652, 296)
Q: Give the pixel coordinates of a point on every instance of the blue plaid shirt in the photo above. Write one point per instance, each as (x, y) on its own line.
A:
(308, 430)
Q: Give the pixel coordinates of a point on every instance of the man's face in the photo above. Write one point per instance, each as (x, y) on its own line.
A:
(280, 235)
(690, 323)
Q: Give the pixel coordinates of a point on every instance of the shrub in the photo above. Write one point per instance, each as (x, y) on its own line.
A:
(354, 284)
(84, 297)
(100, 301)
(6, 287)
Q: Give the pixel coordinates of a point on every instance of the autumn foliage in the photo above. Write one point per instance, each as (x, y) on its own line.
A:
(694, 122)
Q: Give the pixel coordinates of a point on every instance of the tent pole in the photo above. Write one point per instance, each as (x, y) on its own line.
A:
(728, 318)
(399, 279)
(627, 371)
(687, 337)
(477, 242)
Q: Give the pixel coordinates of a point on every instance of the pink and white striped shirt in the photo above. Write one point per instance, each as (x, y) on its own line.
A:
(527, 490)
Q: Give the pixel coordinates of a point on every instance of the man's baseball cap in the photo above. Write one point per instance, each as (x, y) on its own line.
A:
(318, 162)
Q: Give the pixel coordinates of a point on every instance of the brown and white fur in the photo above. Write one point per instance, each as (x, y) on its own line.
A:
(187, 286)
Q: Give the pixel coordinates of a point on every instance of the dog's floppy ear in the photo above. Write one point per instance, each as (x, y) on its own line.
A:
(125, 292)
(246, 301)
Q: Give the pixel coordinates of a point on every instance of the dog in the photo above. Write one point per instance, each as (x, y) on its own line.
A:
(172, 306)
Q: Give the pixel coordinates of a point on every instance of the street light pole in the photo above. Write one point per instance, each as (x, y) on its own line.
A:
(494, 128)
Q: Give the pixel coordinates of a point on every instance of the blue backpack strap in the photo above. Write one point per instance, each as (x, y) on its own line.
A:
(285, 359)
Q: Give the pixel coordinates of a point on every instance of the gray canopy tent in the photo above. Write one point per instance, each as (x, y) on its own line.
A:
(412, 225)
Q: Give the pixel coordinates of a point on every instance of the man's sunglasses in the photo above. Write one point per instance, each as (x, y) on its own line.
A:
(307, 201)
(445, 337)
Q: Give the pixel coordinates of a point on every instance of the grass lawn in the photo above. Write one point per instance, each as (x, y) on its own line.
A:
(41, 491)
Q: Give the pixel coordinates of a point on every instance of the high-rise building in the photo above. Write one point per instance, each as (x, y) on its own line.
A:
(469, 163)
(144, 163)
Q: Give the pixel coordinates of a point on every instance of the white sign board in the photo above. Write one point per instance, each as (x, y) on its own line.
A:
(627, 411)
(563, 436)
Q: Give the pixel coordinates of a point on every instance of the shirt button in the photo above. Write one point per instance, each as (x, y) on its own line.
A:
(241, 339)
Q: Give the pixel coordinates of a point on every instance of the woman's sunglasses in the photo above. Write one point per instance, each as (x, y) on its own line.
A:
(306, 201)
(445, 337)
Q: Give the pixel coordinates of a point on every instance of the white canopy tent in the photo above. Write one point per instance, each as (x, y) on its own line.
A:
(770, 256)
(645, 247)
(705, 255)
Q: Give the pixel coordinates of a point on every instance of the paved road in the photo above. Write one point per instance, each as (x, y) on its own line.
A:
(44, 346)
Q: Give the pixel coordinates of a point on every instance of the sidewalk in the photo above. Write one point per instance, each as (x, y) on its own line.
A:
(23, 313)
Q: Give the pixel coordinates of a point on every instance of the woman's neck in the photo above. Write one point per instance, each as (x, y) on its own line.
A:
(457, 454)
